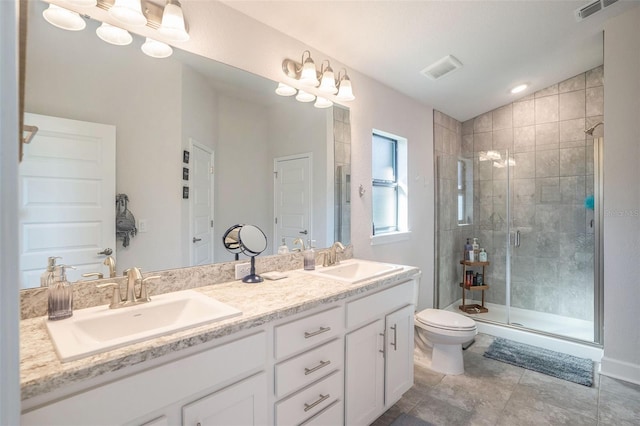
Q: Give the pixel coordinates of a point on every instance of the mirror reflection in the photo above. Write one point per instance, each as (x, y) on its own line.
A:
(196, 147)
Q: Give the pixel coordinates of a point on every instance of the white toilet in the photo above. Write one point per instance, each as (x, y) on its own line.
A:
(442, 334)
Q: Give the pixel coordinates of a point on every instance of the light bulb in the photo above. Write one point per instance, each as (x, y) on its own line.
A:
(305, 96)
(328, 82)
(308, 75)
(322, 103)
(285, 90)
(345, 93)
(128, 12)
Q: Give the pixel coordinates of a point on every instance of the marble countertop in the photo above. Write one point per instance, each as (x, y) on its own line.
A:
(41, 370)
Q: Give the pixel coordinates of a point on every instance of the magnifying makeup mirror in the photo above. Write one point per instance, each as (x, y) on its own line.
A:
(250, 240)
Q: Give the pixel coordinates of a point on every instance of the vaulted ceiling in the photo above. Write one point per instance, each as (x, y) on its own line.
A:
(500, 43)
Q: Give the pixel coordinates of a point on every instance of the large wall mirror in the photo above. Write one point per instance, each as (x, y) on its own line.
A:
(227, 120)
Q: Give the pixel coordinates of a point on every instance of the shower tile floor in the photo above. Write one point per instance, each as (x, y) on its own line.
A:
(494, 393)
(549, 323)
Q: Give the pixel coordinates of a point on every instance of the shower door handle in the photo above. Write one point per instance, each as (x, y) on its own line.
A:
(517, 240)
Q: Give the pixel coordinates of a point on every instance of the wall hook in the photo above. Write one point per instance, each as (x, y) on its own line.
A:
(361, 190)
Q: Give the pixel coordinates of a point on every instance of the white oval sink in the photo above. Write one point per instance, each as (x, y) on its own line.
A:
(98, 329)
(355, 270)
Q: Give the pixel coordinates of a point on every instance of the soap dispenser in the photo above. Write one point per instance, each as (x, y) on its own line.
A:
(309, 256)
(283, 249)
(60, 295)
(47, 278)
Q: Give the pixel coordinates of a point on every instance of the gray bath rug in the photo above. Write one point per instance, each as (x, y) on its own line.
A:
(408, 420)
(556, 364)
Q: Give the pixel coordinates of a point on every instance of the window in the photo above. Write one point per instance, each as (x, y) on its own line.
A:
(465, 192)
(389, 183)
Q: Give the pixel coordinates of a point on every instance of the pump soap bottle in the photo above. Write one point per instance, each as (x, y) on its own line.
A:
(60, 295)
(309, 256)
(283, 249)
(47, 277)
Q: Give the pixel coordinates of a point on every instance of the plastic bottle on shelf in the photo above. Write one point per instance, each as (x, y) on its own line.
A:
(482, 256)
(476, 248)
(467, 250)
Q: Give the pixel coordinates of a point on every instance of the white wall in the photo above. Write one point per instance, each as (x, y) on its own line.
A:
(622, 197)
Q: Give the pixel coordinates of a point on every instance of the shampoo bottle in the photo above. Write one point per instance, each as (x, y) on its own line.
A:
(467, 249)
(476, 248)
(482, 257)
(47, 277)
(60, 295)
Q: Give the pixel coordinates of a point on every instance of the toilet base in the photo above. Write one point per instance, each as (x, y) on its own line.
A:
(447, 359)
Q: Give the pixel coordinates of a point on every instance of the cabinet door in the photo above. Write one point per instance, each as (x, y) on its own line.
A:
(364, 374)
(399, 354)
(242, 404)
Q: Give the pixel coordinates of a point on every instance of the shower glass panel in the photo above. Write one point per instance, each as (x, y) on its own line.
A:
(536, 215)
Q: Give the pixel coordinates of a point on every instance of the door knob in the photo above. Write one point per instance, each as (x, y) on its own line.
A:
(106, 252)
(195, 240)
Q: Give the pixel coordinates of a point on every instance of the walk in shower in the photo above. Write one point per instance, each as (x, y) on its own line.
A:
(525, 180)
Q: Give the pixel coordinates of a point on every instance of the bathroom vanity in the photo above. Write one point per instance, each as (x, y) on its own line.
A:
(306, 349)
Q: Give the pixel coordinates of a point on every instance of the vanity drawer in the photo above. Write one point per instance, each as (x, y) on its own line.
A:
(304, 333)
(308, 367)
(310, 401)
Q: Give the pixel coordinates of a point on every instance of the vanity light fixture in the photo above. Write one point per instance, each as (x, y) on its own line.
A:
(303, 96)
(83, 3)
(519, 88)
(114, 35)
(285, 90)
(172, 26)
(322, 102)
(128, 12)
(328, 82)
(345, 92)
(306, 74)
(168, 22)
(64, 18)
(156, 49)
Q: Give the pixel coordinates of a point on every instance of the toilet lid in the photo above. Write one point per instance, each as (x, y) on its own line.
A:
(445, 319)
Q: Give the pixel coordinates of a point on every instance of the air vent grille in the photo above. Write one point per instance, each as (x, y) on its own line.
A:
(592, 8)
(442, 67)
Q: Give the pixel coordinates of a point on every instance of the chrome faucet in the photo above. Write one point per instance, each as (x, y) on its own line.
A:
(134, 276)
(331, 257)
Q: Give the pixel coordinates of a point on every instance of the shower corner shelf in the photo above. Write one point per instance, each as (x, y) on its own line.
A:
(473, 308)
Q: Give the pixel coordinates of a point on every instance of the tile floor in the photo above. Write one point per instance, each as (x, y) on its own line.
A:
(494, 393)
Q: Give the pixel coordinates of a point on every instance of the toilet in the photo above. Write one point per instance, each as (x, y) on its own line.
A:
(441, 334)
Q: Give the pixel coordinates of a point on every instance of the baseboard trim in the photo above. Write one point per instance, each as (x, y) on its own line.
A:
(620, 370)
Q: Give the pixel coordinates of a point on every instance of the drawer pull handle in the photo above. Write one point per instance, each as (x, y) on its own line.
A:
(395, 337)
(322, 364)
(322, 398)
(315, 333)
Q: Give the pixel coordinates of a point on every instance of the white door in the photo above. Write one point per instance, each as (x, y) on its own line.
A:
(399, 354)
(67, 197)
(201, 204)
(292, 204)
(364, 374)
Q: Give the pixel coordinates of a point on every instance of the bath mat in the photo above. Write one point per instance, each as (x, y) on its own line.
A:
(545, 361)
(408, 420)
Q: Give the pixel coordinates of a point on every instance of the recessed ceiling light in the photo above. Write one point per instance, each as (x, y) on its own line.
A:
(519, 88)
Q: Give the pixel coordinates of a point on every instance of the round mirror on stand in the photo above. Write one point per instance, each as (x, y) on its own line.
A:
(250, 240)
(231, 240)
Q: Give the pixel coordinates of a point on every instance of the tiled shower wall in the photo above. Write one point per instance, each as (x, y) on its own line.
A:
(552, 270)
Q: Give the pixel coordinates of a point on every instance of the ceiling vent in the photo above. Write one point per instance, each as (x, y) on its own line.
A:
(442, 67)
(592, 8)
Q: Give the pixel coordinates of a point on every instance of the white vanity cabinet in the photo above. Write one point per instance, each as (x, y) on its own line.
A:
(224, 382)
(378, 352)
(308, 374)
